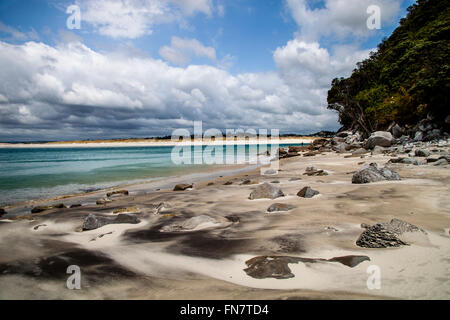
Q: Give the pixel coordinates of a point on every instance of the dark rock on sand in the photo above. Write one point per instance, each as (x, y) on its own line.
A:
(182, 187)
(371, 173)
(40, 209)
(93, 221)
(103, 201)
(279, 207)
(266, 190)
(307, 192)
(2, 212)
(117, 193)
(228, 183)
(277, 266)
(422, 153)
(384, 235)
(75, 205)
(233, 218)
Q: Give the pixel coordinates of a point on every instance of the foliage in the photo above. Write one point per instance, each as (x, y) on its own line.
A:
(406, 79)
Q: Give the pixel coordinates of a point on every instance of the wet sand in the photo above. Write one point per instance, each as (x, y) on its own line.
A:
(140, 261)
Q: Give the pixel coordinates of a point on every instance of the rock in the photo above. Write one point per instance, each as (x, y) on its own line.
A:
(102, 201)
(379, 138)
(378, 150)
(194, 223)
(2, 212)
(77, 205)
(280, 207)
(228, 183)
(117, 193)
(263, 267)
(384, 235)
(210, 184)
(275, 181)
(248, 182)
(94, 222)
(266, 190)
(440, 162)
(312, 171)
(295, 179)
(182, 187)
(397, 131)
(371, 173)
(418, 136)
(233, 218)
(39, 209)
(307, 192)
(422, 153)
(270, 172)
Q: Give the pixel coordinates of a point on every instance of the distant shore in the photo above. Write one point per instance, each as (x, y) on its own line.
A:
(154, 143)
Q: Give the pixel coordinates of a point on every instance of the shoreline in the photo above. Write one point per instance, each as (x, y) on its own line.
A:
(88, 144)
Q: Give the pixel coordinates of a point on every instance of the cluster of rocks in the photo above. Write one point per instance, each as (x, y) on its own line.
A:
(371, 173)
(384, 235)
(313, 171)
(93, 221)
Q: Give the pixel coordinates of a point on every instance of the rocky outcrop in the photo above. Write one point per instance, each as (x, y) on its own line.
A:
(182, 187)
(280, 207)
(379, 138)
(307, 192)
(371, 173)
(277, 266)
(93, 221)
(40, 209)
(384, 235)
(266, 191)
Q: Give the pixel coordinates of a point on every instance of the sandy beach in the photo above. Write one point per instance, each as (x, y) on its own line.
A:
(156, 258)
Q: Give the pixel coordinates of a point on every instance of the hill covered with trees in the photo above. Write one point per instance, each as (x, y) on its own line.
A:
(407, 79)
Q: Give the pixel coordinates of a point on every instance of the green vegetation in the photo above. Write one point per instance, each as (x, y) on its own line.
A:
(405, 80)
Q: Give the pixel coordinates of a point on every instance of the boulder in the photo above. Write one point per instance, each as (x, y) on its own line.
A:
(40, 209)
(422, 153)
(266, 190)
(371, 173)
(280, 207)
(182, 187)
(397, 131)
(384, 235)
(307, 192)
(379, 138)
(93, 221)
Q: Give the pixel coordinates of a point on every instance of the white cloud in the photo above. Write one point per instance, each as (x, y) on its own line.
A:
(135, 18)
(181, 50)
(78, 91)
(18, 35)
(339, 17)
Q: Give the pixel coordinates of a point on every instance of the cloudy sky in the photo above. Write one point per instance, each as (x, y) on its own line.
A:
(140, 68)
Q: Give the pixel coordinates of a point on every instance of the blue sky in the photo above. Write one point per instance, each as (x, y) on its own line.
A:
(274, 58)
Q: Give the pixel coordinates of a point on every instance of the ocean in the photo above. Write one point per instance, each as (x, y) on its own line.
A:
(36, 173)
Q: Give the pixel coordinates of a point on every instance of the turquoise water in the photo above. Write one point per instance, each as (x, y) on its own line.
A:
(34, 173)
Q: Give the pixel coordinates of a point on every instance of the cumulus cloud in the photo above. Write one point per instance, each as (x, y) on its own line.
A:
(15, 34)
(135, 18)
(181, 50)
(339, 17)
(72, 91)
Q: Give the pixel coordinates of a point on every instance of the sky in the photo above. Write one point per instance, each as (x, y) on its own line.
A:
(143, 68)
